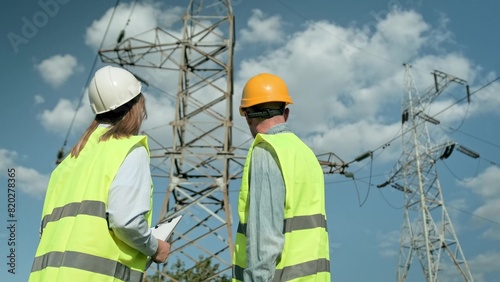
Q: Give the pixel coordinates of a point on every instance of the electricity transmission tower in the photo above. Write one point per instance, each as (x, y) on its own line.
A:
(202, 150)
(427, 231)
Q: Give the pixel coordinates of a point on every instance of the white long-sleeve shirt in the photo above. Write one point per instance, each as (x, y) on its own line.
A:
(129, 201)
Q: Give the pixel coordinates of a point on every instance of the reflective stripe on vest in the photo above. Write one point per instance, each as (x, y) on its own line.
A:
(291, 272)
(298, 270)
(94, 208)
(86, 262)
(302, 269)
(296, 223)
(305, 216)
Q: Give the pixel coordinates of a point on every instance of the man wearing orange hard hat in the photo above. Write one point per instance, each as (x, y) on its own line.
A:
(282, 231)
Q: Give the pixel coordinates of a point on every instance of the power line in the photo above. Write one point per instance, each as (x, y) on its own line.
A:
(411, 128)
(121, 35)
(463, 119)
(475, 215)
(456, 176)
(60, 154)
(447, 205)
(477, 138)
(361, 178)
(369, 184)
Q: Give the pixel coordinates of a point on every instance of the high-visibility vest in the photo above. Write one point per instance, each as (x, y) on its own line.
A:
(305, 255)
(76, 242)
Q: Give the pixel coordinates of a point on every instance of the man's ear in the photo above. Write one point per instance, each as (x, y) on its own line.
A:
(287, 111)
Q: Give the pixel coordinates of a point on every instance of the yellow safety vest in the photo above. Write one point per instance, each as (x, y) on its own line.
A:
(76, 242)
(305, 255)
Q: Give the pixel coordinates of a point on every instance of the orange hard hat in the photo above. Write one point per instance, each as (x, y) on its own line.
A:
(264, 88)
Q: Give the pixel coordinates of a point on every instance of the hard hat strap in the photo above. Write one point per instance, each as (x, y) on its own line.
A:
(266, 113)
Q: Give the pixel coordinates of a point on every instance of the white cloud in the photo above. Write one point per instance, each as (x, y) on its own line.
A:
(441, 34)
(492, 233)
(487, 101)
(399, 35)
(161, 111)
(146, 16)
(262, 29)
(352, 139)
(454, 209)
(39, 99)
(6, 159)
(484, 264)
(389, 243)
(486, 186)
(169, 17)
(57, 69)
(58, 119)
(28, 180)
(31, 181)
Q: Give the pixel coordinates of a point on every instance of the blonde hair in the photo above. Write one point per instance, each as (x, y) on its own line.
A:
(125, 121)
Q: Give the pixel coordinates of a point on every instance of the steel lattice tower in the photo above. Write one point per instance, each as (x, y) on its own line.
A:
(427, 231)
(201, 153)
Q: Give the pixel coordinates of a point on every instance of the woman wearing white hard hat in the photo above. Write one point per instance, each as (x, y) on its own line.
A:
(97, 211)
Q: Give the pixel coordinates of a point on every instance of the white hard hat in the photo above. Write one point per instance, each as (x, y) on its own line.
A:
(112, 87)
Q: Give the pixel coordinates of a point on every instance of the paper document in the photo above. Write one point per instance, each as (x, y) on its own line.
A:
(163, 231)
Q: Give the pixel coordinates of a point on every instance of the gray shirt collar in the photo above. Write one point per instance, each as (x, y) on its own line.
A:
(279, 128)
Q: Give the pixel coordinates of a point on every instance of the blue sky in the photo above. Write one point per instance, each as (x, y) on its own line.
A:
(343, 62)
